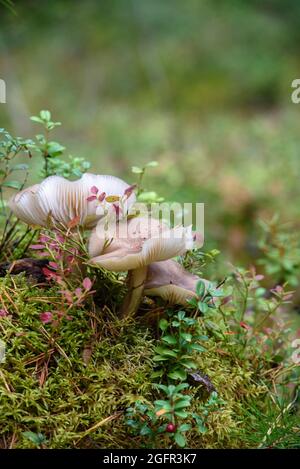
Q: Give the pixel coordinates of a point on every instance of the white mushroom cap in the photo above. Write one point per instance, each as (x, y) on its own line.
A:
(63, 200)
(146, 240)
(134, 244)
(169, 280)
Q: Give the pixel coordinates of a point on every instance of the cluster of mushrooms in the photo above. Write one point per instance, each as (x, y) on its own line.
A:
(147, 249)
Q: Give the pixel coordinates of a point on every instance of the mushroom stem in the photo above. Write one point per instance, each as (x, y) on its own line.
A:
(136, 280)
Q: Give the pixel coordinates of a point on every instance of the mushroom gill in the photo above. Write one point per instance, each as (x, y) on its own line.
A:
(170, 281)
(142, 241)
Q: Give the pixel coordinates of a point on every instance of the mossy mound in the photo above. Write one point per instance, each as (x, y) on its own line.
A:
(73, 383)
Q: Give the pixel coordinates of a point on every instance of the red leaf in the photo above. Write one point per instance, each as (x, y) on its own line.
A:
(87, 283)
(44, 239)
(46, 317)
(48, 273)
(74, 222)
(94, 190)
(129, 190)
(37, 246)
(91, 198)
(60, 238)
(244, 325)
(102, 196)
(68, 296)
(78, 292)
(259, 277)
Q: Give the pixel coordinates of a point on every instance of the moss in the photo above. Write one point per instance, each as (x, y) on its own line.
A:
(49, 388)
(74, 383)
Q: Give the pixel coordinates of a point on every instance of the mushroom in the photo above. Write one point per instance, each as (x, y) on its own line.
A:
(63, 200)
(169, 280)
(135, 245)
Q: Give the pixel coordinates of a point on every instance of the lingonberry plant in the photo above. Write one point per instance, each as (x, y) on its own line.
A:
(51, 151)
(174, 356)
(181, 337)
(170, 417)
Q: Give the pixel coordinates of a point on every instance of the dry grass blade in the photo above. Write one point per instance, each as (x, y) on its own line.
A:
(100, 424)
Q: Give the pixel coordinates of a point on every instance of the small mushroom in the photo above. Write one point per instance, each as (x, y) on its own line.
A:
(169, 280)
(63, 200)
(136, 244)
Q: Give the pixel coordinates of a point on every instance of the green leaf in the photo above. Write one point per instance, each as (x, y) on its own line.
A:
(181, 387)
(182, 404)
(45, 115)
(198, 347)
(55, 149)
(202, 337)
(216, 292)
(162, 387)
(181, 315)
(188, 364)
(152, 164)
(200, 288)
(137, 170)
(163, 404)
(175, 323)
(52, 125)
(184, 427)
(260, 292)
(169, 339)
(145, 430)
(178, 374)
(171, 389)
(165, 351)
(203, 307)
(190, 321)
(36, 438)
(193, 302)
(186, 336)
(160, 358)
(157, 374)
(163, 324)
(182, 414)
(36, 119)
(180, 440)
(148, 196)
(12, 184)
(202, 428)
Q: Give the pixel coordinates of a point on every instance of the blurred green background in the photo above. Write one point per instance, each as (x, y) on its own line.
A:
(201, 86)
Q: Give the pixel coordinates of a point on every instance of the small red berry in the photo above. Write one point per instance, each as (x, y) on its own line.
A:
(171, 428)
